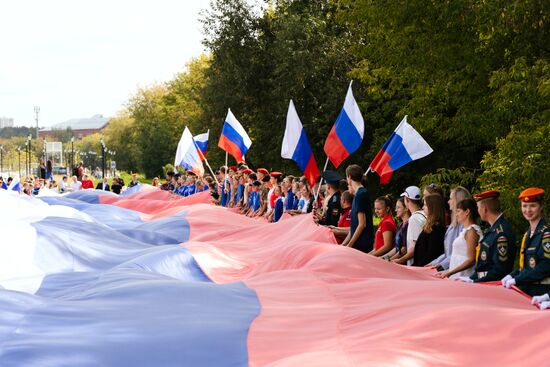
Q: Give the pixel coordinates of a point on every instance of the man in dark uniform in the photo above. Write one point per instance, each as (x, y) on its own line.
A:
(332, 214)
(533, 276)
(497, 248)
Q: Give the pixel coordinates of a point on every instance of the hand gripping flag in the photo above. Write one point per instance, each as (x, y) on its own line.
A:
(404, 145)
(347, 133)
(202, 143)
(296, 146)
(234, 140)
(187, 155)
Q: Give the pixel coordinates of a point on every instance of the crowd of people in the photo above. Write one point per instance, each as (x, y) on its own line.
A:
(422, 228)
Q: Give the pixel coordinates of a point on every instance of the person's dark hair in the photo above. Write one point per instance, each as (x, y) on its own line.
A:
(343, 185)
(170, 173)
(434, 189)
(303, 180)
(334, 186)
(256, 183)
(355, 172)
(471, 205)
(253, 176)
(388, 202)
(222, 169)
(266, 178)
(436, 211)
(493, 204)
(347, 196)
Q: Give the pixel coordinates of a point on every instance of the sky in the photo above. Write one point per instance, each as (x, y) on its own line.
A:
(76, 59)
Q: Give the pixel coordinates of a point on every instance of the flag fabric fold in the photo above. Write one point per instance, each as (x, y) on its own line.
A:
(296, 146)
(404, 146)
(15, 184)
(187, 155)
(346, 134)
(234, 139)
(202, 143)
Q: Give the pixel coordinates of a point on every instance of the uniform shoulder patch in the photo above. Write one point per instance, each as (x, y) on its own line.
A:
(502, 239)
(546, 237)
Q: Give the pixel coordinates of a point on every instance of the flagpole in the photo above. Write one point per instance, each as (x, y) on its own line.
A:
(321, 182)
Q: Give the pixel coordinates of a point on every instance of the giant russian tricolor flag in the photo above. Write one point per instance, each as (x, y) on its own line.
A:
(404, 145)
(347, 133)
(94, 279)
(234, 140)
(296, 146)
(202, 143)
(187, 155)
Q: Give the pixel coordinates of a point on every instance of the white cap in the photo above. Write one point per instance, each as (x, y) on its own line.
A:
(412, 192)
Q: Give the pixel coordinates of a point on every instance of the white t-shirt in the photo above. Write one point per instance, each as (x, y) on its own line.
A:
(416, 222)
(63, 186)
(75, 186)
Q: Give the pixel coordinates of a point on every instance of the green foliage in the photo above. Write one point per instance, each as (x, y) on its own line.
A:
(120, 137)
(447, 179)
(23, 131)
(472, 76)
(521, 158)
(167, 168)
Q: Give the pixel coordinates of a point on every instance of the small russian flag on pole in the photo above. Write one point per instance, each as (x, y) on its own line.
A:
(234, 139)
(187, 155)
(347, 133)
(202, 143)
(404, 145)
(296, 146)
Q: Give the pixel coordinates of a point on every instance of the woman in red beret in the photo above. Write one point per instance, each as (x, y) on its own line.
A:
(533, 276)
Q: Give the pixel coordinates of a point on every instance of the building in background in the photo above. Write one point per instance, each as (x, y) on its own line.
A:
(80, 127)
(6, 122)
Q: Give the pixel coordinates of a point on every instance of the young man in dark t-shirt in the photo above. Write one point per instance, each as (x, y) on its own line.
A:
(361, 234)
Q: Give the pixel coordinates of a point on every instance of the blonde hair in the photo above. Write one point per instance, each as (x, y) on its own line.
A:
(460, 193)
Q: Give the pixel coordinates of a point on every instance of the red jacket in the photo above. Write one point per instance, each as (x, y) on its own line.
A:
(87, 184)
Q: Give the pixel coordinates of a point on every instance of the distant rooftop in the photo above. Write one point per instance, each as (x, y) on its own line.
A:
(94, 122)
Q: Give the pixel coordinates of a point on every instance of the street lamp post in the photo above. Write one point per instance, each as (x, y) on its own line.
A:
(19, 154)
(36, 111)
(103, 149)
(72, 152)
(1, 158)
(29, 139)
